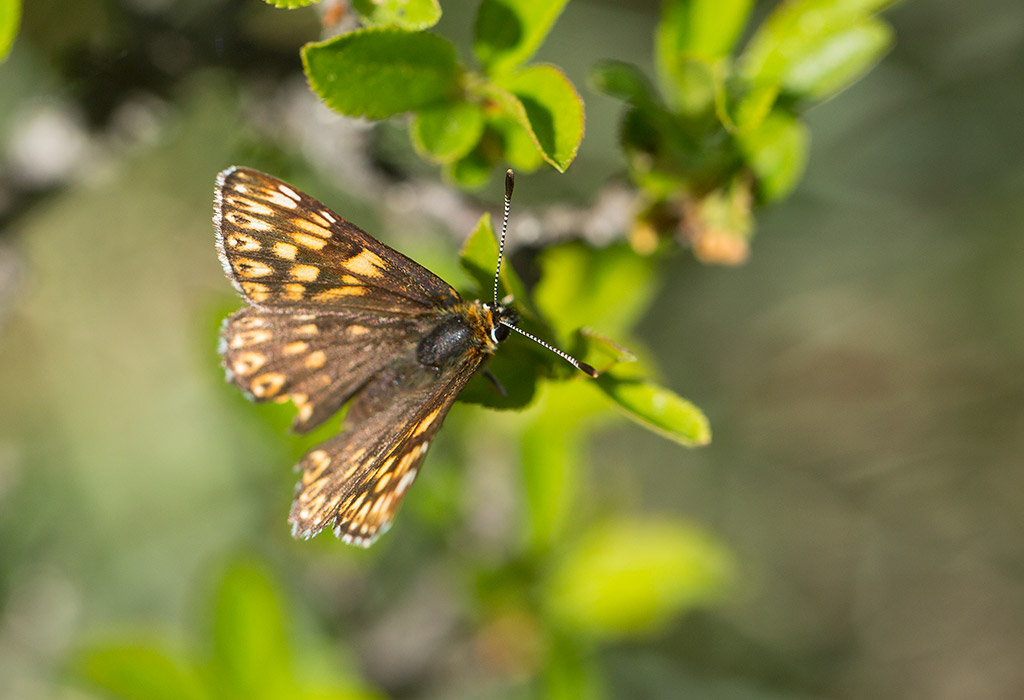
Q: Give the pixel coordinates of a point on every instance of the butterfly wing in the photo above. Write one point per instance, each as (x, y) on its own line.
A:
(336, 314)
(283, 249)
(356, 481)
(331, 304)
(317, 360)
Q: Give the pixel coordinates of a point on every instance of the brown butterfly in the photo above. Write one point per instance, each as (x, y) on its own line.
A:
(336, 316)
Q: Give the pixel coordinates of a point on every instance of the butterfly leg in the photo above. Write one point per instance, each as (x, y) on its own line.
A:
(496, 384)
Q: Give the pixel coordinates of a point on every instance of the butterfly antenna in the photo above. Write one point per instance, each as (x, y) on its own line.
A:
(510, 182)
(581, 366)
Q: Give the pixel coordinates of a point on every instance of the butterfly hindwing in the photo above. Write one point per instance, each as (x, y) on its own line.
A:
(284, 249)
(356, 481)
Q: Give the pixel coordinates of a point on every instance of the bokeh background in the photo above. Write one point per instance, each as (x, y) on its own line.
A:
(863, 374)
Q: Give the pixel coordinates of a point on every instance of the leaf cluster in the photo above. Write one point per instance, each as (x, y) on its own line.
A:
(722, 129)
(466, 120)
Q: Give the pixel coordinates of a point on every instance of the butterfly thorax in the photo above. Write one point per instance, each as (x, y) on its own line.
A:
(472, 327)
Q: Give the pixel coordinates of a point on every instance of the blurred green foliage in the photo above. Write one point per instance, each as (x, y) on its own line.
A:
(723, 132)
(10, 14)
(864, 487)
(249, 654)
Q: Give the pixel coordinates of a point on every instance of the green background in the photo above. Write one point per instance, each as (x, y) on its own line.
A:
(863, 374)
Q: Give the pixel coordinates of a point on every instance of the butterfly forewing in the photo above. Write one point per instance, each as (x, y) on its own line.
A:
(284, 249)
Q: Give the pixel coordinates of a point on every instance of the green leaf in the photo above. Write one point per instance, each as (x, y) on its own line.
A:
(138, 671)
(838, 60)
(549, 454)
(379, 72)
(251, 651)
(543, 101)
(599, 351)
(703, 28)
(10, 17)
(508, 32)
(656, 408)
(794, 30)
(290, 4)
(551, 449)
(697, 80)
(479, 257)
(570, 671)
(606, 288)
(472, 171)
(447, 132)
(407, 14)
(630, 576)
(339, 693)
(518, 145)
(755, 105)
(517, 369)
(624, 81)
(692, 35)
(777, 153)
(547, 105)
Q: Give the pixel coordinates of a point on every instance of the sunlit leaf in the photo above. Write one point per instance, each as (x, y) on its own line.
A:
(838, 60)
(777, 152)
(603, 288)
(10, 16)
(629, 576)
(599, 351)
(550, 453)
(570, 671)
(377, 72)
(704, 28)
(139, 671)
(656, 408)
(251, 648)
(547, 105)
(407, 14)
(479, 257)
(447, 132)
(340, 693)
(550, 459)
(519, 147)
(508, 32)
(795, 29)
(755, 105)
(701, 30)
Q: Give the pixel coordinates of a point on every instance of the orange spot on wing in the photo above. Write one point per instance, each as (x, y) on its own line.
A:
(306, 273)
(310, 227)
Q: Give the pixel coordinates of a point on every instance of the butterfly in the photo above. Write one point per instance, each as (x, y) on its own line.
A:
(334, 316)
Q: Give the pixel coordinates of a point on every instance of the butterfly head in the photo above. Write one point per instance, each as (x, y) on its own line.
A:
(503, 318)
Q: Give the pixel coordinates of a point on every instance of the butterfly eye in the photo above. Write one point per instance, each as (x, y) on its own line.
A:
(499, 333)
